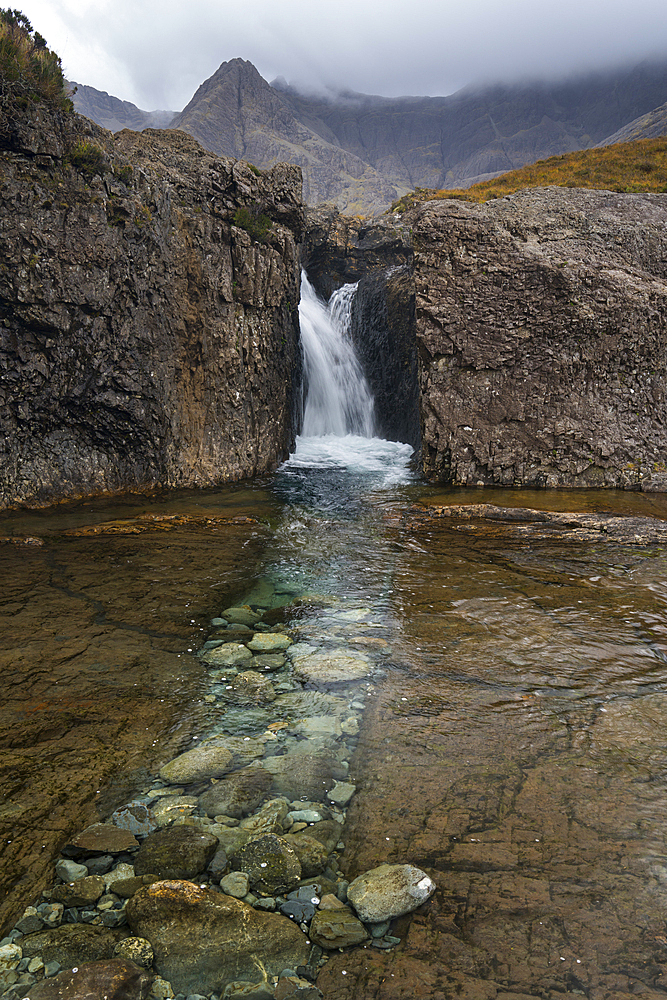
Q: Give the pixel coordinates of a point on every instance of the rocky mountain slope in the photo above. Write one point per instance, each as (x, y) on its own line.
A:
(146, 338)
(112, 113)
(361, 152)
(650, 126)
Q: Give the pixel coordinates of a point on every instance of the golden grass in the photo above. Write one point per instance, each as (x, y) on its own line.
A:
(630, 167)
(29, 71)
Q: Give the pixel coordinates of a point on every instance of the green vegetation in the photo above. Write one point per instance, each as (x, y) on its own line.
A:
(255, 170)
(88, 158)
(630, 167)
(254, 222)
(29, 72)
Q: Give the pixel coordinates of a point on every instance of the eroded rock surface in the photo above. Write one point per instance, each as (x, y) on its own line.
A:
(146, 337)
(541, 329)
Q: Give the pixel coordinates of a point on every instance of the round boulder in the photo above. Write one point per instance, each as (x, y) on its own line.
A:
(270, 863)
(389, 891)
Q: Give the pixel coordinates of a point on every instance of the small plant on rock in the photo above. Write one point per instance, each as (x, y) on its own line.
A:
(88, 158)
(256, 225)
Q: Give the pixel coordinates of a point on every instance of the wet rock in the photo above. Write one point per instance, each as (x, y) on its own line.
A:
(235, 884)
(161, 989)
(268, 662)
(70, 871)
(230, 838)
(243, 615)
(10, 956)
(177, 852)
(326, 669)
(218, 864)
(115, 979)
(84, 890)
(135, 817)
(101, 838)
(137, 950)
(190, 928)
(318, 726)
(238, 794)
(341, 793)
(295, 987)
(389, 891)
(244, 749)
(248, 991)
(251, 688)
(330, 902)
(51, 913)
(309, 775)
(271, 864)
(338, 928)
(120, 872)
(269, 819)
(269, 642)
(70, 944)
(96, 866)
(173, 807)
(29, 922)
(230, 654)
(311, 853)
(128, 886)
(327, 832)
(202, 762)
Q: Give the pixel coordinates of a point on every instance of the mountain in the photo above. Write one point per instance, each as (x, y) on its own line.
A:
(114, 114)
(362, 152)
(237, 113)
(650, 126)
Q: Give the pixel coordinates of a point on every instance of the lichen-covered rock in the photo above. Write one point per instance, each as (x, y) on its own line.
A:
(389, 891)
(150, 338)
(203, 940)
(271, 865)
(177, 852)
(137, 950)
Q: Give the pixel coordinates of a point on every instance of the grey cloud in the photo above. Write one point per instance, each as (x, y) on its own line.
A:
(156, 53)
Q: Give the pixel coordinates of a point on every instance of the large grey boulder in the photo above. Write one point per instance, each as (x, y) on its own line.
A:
(389, 891)
(203, 940)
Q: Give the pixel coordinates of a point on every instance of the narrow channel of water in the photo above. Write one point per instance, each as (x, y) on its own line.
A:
(512, 740)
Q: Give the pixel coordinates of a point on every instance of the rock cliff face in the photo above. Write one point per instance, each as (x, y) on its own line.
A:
(541, 323)
(145, 338)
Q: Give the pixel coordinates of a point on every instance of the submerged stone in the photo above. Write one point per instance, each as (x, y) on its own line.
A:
(243, 615)
(203, 940)
(228, 655)
(326, 669)
(337, 928)
(269, 642)
(270, 863)
(389, 891)
(201, 762)
(238, 794)
(115, 979)
(177, 852)
(102, 838)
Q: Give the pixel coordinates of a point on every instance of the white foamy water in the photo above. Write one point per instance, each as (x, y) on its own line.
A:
(338, 400)
(338, 423)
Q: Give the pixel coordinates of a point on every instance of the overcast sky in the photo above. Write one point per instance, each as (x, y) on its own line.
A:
(155, 53)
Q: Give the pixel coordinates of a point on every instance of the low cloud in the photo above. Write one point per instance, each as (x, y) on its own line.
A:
(156, 54)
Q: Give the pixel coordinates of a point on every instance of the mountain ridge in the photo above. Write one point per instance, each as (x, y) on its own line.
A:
(362, 152)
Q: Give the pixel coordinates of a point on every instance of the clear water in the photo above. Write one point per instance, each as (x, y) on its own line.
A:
(513, 740)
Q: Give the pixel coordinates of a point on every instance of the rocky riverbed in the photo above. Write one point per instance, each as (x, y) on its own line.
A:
(221, 878)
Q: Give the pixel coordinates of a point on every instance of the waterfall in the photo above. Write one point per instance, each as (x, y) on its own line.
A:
(338, 430)
(337, 398)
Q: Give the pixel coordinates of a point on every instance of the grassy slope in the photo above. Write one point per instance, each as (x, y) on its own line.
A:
(630, 167)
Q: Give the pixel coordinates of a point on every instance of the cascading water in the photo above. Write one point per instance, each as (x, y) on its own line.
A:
(338, 422)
